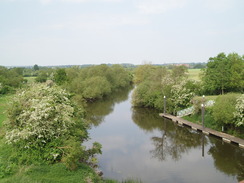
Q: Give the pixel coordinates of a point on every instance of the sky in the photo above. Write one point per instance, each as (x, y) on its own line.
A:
(76, 32)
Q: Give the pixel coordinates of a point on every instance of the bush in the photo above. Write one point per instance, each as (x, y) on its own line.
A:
(239, 113)
(10, 79)
(224, 108)
(153, 86)
(44, 125)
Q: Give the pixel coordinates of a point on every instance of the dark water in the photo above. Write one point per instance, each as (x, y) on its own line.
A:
(139, 144)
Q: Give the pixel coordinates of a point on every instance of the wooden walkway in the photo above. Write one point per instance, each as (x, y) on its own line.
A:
(225, 137)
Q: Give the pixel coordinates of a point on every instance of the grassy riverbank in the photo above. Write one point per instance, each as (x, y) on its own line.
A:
(51, 173)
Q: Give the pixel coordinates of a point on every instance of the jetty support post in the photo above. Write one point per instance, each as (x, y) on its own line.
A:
(203, 110)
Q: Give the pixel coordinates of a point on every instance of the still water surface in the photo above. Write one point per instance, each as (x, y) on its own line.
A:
(139, 144)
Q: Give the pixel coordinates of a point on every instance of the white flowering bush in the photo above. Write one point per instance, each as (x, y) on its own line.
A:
(239, 113)
(40, 113)
(44, 125)
(181, 96)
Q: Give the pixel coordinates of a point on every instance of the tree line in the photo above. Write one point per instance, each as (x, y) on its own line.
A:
(222, 74)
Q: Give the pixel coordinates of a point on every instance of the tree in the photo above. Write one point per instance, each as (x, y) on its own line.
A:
(42, 76)
(158, 82)
(224, 73)
(36, 67)
(236, 72)
(10, 79)
(60, 76)
(95, 82)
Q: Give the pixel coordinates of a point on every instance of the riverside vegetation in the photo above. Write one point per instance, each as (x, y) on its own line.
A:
(35, 148)
(223, 74)
(43, 131)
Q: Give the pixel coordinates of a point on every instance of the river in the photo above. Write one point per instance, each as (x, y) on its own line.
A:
(137, 143)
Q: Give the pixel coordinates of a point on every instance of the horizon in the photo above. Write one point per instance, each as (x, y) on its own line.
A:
(70, 65)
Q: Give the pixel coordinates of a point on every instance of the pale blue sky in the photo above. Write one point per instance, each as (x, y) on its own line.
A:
(63, 32)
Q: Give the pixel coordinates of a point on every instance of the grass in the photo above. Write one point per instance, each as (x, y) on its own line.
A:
(53, 173)
(194, 74)
(30, 79)
(3, 107)
(208, 120)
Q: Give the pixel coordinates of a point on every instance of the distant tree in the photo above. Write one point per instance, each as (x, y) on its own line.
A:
(10, 79)
(36, 67)
(199, 66)
(42, 76)
(60, 76)
(143, 72)
(179, 72)
(94, 82)
(224, 73)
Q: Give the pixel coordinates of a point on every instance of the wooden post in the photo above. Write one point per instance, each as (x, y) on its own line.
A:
(203, 115)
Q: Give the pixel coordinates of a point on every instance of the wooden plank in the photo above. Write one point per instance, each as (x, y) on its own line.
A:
(226, 137)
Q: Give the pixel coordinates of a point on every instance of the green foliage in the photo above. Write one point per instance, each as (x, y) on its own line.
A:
(224, 108)
(143, 72)
(208, 119)
(239, 113)
(36, 67)
(199, 66)
(44, 125)
(157, 82)
(43, 75)
(10, 79)
(60, 76)
(97, 81)
(224, 74)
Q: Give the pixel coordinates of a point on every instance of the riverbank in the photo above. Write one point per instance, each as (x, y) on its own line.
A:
(14, 172)
(52, 173)
(225, 137)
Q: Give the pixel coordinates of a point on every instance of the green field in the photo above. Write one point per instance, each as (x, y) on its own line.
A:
(194, 74)
(30, 79)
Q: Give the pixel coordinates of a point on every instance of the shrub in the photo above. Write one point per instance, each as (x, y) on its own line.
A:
(239, 113)
(224, 108)
(44, 125)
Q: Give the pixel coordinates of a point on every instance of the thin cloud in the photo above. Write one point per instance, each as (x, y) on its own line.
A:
(159, 6)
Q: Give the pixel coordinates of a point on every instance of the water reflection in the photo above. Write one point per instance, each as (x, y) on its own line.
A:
(138, 143)
(227, 158)
(97, 110)
(173, 140)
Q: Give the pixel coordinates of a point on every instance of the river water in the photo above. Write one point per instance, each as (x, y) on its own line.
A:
(137, 143)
